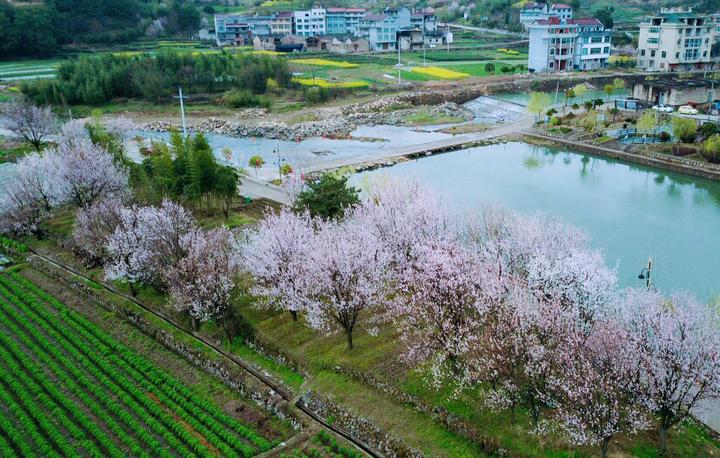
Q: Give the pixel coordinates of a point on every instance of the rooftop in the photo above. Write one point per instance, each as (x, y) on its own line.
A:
(345, 10)
(678, 83)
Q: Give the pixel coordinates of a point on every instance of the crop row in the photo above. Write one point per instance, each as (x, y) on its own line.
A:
(136, 400)
(76, 381)
(28, 388)
(140, 369)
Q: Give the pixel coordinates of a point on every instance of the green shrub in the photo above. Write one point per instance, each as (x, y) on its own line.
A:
(708, 129)
(242, 98)
(316, 94)
(711, 149)
(684, 129)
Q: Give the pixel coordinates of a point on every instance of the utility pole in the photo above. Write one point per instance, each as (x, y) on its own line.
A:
(182, 110)
(646, 274)
(397, 44)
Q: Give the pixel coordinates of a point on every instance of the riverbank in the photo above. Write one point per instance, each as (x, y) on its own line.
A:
(660, 161)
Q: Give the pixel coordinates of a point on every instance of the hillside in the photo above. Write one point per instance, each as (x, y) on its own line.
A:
(41, 29)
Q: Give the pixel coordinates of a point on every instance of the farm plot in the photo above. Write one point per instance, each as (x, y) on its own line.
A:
(67, 388)
(28, 69)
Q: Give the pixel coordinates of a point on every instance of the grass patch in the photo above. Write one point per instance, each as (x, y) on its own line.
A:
(288, 376)
(420, 118)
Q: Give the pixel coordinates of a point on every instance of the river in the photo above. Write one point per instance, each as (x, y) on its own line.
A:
(631, 212)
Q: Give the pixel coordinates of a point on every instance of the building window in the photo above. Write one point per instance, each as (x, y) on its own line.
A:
(653, 41)
(606, 50)
(654, 29)
(642, 52)
(652, 53)
(677, 55)
(663, 54)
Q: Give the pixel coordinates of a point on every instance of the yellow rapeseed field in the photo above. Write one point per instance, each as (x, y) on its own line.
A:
(438, 72)
(325, 83)
(326, 63)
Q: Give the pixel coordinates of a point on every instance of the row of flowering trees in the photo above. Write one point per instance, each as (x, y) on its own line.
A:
(76, 171)
(520, 306)
(164, 247)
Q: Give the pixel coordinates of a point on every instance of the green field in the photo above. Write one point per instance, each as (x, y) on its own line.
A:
(68, 389)
(28, 69)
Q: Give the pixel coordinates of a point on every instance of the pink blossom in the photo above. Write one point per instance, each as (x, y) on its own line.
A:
(277, 256)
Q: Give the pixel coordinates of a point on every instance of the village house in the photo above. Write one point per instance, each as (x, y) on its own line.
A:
(676, 39)
(310, 22)
(574, 44)
(532, 12)
(380, 30)
(343, 21)
(348, 45)
(281, 23)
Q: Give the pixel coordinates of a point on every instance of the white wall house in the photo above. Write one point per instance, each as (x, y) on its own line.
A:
(310, 23)
(531, 12)
(676, 39)
(574, 44)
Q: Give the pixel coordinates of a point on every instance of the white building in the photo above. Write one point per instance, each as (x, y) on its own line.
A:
(380, 30)
(574, 44)
(532, 12)
(310, 23)
(676, 39)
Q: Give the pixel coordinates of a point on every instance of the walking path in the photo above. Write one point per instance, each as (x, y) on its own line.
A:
(255, 188)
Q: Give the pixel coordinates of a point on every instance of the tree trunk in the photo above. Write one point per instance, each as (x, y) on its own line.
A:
(604, 446)
(194, 323)
(348, 332)
(293, 313)
(133, 290)
(663, 434)
(227, 329)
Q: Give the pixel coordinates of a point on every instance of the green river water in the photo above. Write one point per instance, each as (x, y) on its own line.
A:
(631, 212)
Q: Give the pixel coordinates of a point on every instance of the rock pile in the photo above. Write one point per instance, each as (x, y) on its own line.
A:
(335, 126)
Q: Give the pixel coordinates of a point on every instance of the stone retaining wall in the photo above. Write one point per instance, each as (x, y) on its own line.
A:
(361, 427)
(655, 160)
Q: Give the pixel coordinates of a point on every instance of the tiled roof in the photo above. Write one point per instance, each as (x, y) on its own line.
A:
(585, 21)
(345, 10)
(560, 5)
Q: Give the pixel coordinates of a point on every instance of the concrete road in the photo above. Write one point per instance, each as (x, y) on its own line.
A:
(256, 189)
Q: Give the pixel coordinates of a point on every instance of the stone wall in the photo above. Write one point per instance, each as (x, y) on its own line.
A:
(358, 426)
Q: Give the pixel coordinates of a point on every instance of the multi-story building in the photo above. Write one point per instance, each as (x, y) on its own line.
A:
(676, 39)
(310, 23)
(343, 21)
(234, 29)
(579, 44)
(281, 23)
(380, 30)
(424, 19)
(532, 12)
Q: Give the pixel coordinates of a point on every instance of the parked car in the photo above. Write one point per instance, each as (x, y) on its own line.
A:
(663, 108)
(687, 109)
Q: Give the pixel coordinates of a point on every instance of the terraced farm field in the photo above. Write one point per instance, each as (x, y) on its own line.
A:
(67, 388)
